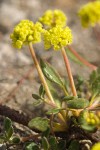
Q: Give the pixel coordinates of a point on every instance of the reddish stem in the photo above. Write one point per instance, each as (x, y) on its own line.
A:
(93, 67)
(69, 72)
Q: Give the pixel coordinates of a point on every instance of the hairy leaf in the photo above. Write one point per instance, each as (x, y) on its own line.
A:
(50, 73)
(54, 94)
(16, 140)
(78, 103)
(45, 143)
(38, 102)
(61, 145)
(39, 123)
(95, 82)
(35, 96)
(31, 146)
(74, 145)
(9, 133)
(7, 124)
(53, 111)
(67, 98)
(53, 143)
(41, 91)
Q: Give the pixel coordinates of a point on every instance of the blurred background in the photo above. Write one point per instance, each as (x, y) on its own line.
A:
(15, 90)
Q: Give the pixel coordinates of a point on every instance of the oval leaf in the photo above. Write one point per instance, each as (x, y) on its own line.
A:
(16, 140)
(74, 145)
(9, 133)
(87, 127)
(31, 146)
(78, 103)
(45, 143)
(67, 98)
(38, 102)
(35, 96)
(50, 73)
(53, 111)
(7, 124)
(41, 91)
(39, 123)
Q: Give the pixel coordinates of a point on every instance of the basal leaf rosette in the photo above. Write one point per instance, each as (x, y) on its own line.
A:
(52, 18)
(57, 37)
(90, 14)
(25, 32)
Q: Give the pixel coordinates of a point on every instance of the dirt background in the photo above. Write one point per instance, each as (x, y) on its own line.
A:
(15, 64)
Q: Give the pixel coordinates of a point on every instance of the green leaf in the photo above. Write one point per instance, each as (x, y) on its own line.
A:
(78, 103)
(16, 140)
(61, 145)
(82, 121)
(89, 128)
(31, 146)
(41, 91)
(54, 94)
(74, 145)
(45, 143)
(53, 143)
(82, 117)
(53, 111)
(50, 73)
(46, 133)
(8, 128)
(79, 82)
(39, 123)
(95, 82)
(7, 124)
(67, 98)
(35, 96)
(73, 57)
(38, 102)
(2, 139)
(9, 133)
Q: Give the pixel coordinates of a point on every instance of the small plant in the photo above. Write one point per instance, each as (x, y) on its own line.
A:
(74, 107)
(8, 135)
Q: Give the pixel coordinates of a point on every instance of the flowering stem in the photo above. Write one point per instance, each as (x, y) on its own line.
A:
(42, 78)
(69, 72)
(93, 67)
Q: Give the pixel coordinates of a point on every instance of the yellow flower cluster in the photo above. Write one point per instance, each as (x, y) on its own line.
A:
(53, 18)
(96, 146)
(57, 37)
(93, 119)
(90, 14)
(25, 32)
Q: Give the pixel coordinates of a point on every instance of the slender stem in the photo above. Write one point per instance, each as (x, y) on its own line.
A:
(92, 99)
(43, 79)
(69, 72)
(61, 115)
(40, 73)
(65, 91)
(93, 67)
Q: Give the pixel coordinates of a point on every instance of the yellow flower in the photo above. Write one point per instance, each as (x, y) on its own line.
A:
(90, 14)
(96, 146)
(25, 32)
(53, 18)
(92, 118)
(57, 37)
